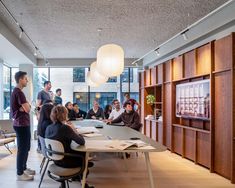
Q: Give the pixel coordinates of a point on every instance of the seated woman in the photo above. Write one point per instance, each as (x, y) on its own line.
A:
(96, 112)
(44, 119)
(65, 133)
(130, 118)
(71, 112)
(107, 111)
(79, 113)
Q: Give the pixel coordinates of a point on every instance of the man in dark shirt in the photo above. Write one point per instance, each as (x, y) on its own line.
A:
(130, 118)
(45, 94)
(133, 101)
(80, 114)
(58, 99)
(20, 109)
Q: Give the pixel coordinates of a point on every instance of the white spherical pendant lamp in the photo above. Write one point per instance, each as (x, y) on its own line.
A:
(110, 60)
(89, 82)
(95, 76)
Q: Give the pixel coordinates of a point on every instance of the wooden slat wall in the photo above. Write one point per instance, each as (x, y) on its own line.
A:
(208, 143)
(190, 64)
(203, 59)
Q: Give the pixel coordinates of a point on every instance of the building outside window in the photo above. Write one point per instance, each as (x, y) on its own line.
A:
(79, 74)
(6, 92)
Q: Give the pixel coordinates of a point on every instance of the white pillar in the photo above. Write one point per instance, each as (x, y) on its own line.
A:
(28, 91)
(1, 90)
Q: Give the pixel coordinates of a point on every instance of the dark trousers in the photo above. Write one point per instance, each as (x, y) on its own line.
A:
(23, 137)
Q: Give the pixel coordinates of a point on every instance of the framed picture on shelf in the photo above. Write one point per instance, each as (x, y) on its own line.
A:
(193, 100)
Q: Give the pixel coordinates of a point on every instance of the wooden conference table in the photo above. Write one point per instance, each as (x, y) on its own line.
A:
(109, 133)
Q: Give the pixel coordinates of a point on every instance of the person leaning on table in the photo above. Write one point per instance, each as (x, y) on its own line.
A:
(96, 112)
(129, 117)
(65, 133)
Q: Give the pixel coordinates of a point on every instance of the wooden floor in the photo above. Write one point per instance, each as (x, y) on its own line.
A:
(169, 170)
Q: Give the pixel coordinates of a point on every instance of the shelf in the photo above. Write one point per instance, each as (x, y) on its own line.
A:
(154, 120)
(156, 85)
(220, 71)
(157, 103)
(191, 128)
(194, 118)
(189, 78)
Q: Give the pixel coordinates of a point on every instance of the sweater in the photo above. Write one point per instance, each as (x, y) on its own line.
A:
(131, 119)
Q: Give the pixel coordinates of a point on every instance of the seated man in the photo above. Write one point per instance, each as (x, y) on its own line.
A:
(117, 111)
(96, 112)
(130, 118)
(79, 113)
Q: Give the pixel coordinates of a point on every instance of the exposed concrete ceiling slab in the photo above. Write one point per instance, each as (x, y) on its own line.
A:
(68, 28)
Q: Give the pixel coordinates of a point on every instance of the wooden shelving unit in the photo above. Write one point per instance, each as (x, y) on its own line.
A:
(208, 142)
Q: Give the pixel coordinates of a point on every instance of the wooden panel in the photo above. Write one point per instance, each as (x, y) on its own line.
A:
(167, 71)
(178, 68)
(160, 132)
(160, 74)
(153, 76)
(189, 143)
(203, 149)
(223, 123)
(147, 77)
(148, 128)
(204, 59)
(142, 109)
(177, 140)
(190, 64)
(154, 130)
(223, 54)
(197, 123)
(142, 79)
(167, 115)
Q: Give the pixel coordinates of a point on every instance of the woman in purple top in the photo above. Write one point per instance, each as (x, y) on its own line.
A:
(20, 109)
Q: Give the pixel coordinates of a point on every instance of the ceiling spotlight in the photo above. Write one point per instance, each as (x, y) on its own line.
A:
(36, 51)
(21, 32)
(47, 62)
(157, 52)
(185, 36)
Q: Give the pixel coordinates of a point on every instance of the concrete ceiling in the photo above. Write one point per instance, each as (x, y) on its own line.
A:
(68, 28)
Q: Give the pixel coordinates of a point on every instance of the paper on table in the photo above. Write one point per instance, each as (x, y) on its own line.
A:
(87, 130)
(92, 134)
(124, 144)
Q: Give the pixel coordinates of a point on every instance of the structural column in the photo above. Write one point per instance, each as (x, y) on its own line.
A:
(1, 90)
(28, 91)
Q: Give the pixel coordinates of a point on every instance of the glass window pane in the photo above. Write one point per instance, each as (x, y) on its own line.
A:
(13, 82)
(6, 92)
(134, 86)
(79, 75)
(40, 75)
(103, 98)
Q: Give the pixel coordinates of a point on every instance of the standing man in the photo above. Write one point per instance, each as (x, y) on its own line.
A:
(132, 101)
(20, 109)
(45, 94)
(58, 99)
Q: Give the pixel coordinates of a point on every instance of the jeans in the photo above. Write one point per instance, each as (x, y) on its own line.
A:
(23, 137)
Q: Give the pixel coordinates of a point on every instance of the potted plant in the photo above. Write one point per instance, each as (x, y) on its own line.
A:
(151, 99)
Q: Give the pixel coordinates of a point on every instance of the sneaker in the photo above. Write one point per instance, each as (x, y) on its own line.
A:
(24, 177)
(29, 171)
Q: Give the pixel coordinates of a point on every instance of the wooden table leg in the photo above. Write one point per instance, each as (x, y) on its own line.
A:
(149, 169)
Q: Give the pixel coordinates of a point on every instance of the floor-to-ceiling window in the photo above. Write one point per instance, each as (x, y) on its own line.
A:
(72, 81)
(6, 92)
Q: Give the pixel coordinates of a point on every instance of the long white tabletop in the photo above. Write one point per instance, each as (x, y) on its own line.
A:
(111, 132)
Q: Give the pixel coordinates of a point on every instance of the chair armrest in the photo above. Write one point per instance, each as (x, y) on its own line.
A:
(64, 154)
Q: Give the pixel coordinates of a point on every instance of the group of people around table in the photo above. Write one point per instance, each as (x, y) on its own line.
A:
(54, 122)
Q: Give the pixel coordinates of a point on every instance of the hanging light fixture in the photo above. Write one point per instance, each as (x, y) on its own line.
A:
(89, 82)
(110, 60)
(95, 76)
